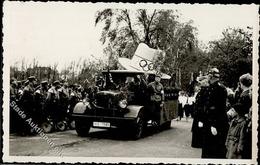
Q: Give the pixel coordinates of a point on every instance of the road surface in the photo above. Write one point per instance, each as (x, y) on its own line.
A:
(171, 143)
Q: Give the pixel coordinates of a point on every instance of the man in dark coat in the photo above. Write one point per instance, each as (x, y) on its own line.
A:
(64, 100)
(245, 99)
(215, 125)
(14, 118)
(52, 101)
(199, 112)
(40, 96)
(27, 104)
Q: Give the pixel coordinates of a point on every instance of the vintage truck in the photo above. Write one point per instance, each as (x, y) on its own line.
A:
(115, 107)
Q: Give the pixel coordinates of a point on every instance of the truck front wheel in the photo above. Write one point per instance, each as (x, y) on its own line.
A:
(82, 128)
(138, 128)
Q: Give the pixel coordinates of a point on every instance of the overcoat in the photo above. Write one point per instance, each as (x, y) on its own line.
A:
(245, 100)
(199, 115)
(236, 138)
(215, 116)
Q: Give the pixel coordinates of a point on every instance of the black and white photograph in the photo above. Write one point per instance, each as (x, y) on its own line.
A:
(130, 82)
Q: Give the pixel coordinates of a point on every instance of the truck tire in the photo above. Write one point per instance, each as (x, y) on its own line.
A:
(138, 128)
(82, 128)
(47, 127)
(72, 124)
(61, 126)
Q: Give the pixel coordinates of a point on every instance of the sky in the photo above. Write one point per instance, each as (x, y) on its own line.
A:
(63, 32)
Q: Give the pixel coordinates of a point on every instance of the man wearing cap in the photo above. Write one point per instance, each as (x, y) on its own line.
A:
(52, 100)
(27, 103)
(215, 126)
(13, 97)
(40, 98)
(64, 99)
(156, 95)
(73, 97)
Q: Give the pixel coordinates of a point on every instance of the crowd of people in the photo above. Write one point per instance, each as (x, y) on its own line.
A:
(222, 117)
(45, 103)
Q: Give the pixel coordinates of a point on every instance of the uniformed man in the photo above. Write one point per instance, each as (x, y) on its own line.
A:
(27, 104)
(73, 97)
(52, 101)
(64, 99)
(13, 97)
(13, 90)
(215, 125)
(40, 100)
(156, 95)
(20, 89)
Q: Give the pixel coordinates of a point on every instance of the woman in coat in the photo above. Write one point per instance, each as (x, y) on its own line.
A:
(196, 129)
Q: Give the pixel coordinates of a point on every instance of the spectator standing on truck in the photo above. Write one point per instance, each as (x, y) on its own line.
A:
(156, 93)
(140, 90)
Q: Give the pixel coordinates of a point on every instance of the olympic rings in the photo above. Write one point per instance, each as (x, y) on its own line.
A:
(143, 63)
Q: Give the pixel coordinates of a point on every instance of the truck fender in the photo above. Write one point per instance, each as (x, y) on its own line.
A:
(80, 107)
(133, 110)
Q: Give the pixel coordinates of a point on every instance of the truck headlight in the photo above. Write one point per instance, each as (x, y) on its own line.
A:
(122, 104)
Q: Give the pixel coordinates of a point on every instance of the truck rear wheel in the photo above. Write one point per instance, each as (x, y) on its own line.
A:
(82, 128)
(47, 127)
(61, 126)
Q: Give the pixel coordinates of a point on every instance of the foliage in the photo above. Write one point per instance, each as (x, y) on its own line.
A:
(160, 29)
(232, 54)
(82, 72)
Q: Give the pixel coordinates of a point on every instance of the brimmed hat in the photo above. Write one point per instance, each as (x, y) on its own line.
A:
(44, 82)
(246, 79)
(26, 82)
(56, 82)
(31, 78)
(214, 72)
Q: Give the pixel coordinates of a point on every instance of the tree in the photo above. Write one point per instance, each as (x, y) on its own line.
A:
(232, 54)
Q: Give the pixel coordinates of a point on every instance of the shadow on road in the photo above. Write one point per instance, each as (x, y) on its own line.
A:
(120, 134)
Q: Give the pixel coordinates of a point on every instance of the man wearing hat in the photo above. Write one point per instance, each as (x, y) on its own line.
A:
(13, 97)
(64, 99)
(52, 100)
(40, 96)
(215, 126)
(27, 103)
(156, 95)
